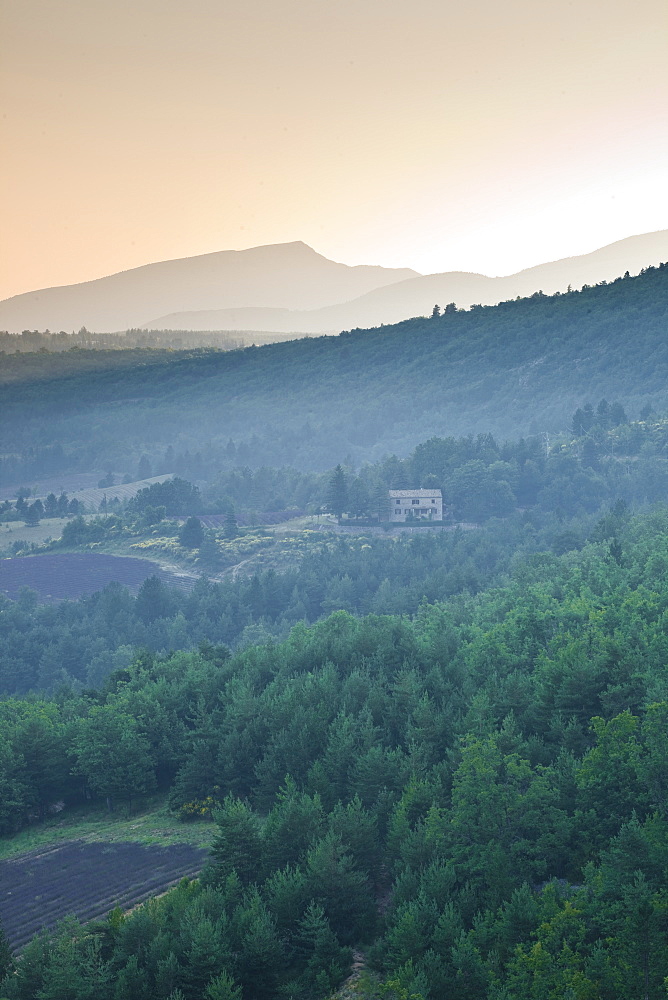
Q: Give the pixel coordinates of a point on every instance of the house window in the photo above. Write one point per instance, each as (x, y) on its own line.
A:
(433, 501)
(415, 502)
(397, 501)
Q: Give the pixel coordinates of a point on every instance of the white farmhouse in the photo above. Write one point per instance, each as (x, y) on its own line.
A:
(423, 504)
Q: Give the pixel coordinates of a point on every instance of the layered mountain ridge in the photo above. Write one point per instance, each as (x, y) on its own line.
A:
(518, 368)
(284, 276)
(290, 288)
(416, 296)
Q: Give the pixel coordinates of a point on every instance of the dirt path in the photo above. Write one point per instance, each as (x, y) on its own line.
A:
(349, 989)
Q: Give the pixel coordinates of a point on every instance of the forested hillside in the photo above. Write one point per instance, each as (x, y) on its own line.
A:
(475, 797)
(516, 368)
(513, 499)
(224, 340)
(443, 750)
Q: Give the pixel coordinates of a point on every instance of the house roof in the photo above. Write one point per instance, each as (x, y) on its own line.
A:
(414, 493)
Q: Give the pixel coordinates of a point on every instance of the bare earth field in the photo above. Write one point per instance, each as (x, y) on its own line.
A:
(87, 880)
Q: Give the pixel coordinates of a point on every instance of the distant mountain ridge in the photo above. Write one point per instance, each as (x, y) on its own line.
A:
(290, 288)
(285, 276)
(518, 368)
(417, 296)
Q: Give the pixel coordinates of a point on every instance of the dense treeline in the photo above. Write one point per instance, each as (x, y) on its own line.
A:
(462, 770)
(32, 513)
(603, 457)
(476, 796)
(81, 642)
(609, 458)
(31, 341)
(558, 492)
(516, 368)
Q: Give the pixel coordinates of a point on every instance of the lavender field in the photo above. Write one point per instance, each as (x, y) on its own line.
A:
(87, 880)
(58, 576)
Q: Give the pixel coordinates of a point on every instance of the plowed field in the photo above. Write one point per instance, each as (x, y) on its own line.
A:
(86, 879)
(58, 576)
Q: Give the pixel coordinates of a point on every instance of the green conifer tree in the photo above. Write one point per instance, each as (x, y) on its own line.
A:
(230, 529)
(337, 492)
(237, 846)
(222, 987)
(191, 534)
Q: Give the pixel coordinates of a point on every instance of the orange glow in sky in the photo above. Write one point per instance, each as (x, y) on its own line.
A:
(484, 136)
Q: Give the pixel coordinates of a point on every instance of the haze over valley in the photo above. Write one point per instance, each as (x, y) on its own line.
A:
(333, 520)
(290, 288)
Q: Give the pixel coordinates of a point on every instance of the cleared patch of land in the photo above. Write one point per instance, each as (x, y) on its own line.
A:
(92, 497)
(152, 824)
(83, 487)
(17, 531)
(61, 575)
(69, 482)
(86, 880)
(149, 836)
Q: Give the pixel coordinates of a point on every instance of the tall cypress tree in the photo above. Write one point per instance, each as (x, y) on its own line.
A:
(230, 529)
(337, 492)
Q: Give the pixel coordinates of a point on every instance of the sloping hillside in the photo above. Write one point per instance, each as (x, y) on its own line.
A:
(517, 368)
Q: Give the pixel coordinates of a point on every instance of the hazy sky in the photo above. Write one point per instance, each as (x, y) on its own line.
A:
(480, 136)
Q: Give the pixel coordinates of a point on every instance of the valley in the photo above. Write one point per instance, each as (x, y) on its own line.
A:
(240, 706)
(334, 501)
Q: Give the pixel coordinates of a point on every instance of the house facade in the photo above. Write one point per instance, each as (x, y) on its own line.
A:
(425, 505)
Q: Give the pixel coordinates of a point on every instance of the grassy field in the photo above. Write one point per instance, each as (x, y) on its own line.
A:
(150, 823)
(17, 531)
(310, 522)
